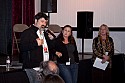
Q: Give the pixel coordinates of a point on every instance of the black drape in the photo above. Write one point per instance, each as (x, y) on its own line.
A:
(5, 26)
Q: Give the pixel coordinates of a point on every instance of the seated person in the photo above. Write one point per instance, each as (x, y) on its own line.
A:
(48, 67)
(53, 78)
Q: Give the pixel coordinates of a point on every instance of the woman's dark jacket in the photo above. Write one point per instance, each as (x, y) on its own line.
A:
(61, 47)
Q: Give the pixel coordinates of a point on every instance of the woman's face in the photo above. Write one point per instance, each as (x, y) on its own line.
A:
(103, 30)
(66, 32)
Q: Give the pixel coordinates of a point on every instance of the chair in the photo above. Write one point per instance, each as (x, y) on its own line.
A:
(55, 28)
(17, 29)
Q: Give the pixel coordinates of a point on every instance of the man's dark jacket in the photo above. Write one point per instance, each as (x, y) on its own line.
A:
(31, 53)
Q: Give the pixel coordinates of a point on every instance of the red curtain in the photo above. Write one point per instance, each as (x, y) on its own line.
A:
(16, 12)
(16, 19)
(28, 12)
(23, 12)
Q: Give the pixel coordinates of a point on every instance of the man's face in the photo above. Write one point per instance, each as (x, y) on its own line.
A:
(41, 23)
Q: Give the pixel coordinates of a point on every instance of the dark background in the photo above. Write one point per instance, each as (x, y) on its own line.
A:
(5, 26)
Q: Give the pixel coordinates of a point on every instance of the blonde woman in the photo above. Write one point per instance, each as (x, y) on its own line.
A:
(103, 47)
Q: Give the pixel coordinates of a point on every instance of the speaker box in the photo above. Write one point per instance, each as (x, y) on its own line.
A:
(85, 24)
(49, 6)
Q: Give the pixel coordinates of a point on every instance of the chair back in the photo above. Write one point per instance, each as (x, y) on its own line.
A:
(20, 27)
(17, 30)
(55, 28)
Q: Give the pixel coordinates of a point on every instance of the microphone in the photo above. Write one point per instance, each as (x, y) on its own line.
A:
(48, 31)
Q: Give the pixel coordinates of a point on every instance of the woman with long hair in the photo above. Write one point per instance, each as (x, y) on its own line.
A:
(67, 55)
(103, 48)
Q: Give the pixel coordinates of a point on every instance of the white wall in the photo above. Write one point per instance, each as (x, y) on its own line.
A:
(105, 11)
(118, 38)
(109, 12)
